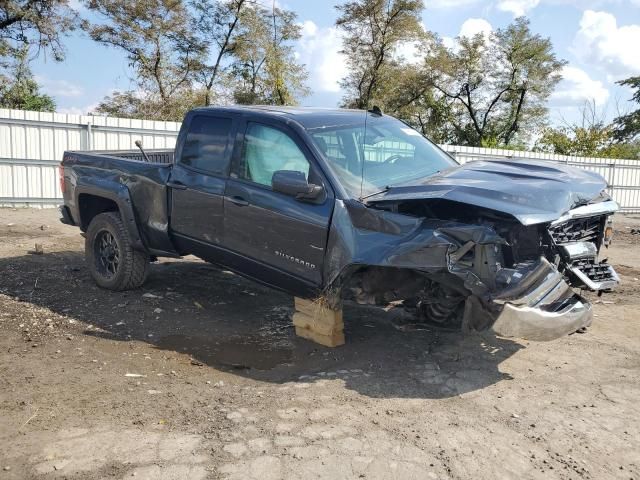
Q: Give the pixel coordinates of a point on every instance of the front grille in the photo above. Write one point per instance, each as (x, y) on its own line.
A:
(587, 229)
(596, 272)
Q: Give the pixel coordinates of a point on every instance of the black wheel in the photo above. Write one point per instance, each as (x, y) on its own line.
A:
(112, 261)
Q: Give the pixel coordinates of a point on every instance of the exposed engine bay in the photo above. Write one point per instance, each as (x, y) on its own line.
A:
(464, 266)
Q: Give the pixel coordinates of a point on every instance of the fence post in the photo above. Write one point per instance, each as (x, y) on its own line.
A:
(89, 136)
(612, 177)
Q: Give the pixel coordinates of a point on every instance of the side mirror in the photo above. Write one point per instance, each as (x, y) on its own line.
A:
(295, 184)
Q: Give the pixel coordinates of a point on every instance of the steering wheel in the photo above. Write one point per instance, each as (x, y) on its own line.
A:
(394, 158)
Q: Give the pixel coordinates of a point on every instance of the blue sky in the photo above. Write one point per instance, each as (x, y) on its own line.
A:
(599, 38)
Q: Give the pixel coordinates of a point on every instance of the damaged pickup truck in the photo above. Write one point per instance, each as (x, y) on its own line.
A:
(351, 205)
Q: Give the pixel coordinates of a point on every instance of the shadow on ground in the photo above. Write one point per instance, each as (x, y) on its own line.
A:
(224, 321)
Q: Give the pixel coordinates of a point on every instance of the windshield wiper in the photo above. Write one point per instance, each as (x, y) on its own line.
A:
(384, 190)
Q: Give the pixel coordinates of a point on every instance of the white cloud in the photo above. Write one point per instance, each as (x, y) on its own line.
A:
(469, 28)
(410, 52)
(600, 41)
(472, 26)
(319, 49)
(450, 42)
(85, 110)
(309, 29)
(517, 7)
(59, 88)
(577, 87)
(448, 3)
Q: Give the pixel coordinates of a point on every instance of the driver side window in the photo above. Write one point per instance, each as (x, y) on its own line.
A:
(267, 150)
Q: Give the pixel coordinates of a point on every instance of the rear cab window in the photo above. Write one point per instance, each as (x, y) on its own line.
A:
(206, 144)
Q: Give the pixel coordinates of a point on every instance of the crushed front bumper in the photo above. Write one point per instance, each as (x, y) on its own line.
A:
(542, 306)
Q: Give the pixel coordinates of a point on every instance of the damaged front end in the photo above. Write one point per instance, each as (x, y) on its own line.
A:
(463, 266)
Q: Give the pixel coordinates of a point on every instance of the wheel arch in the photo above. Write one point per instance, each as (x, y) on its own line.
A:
(95, 197)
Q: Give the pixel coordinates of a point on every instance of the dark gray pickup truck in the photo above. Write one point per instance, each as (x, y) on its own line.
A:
(351, 205)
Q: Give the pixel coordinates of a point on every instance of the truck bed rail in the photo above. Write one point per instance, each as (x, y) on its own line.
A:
(155, 156)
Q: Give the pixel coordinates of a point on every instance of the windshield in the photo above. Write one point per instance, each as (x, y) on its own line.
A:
(391, 153)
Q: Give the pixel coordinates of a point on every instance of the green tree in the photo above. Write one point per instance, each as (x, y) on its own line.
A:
(591, 137)
(36, 23)
(217, 24)
(374, 31)
(19, 90)
(495, 87)
(627, 127)
(266, 70)
(412, 98)
(146, 105)
(160, 44)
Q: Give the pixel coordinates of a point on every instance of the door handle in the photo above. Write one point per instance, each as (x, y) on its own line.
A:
(239, 201)
(177, 185)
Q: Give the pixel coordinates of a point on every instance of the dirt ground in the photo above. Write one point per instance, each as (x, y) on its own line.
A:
(199, 375)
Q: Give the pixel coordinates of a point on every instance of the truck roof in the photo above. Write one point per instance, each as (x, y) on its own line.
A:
(308, 117)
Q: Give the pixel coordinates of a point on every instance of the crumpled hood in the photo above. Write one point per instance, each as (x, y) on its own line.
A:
(531, 191)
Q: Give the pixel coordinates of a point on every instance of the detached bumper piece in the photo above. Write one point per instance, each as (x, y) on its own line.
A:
(541, 307)
(582, 265)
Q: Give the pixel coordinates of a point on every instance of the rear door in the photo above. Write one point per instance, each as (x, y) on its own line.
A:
(266, 227)
(198, 178)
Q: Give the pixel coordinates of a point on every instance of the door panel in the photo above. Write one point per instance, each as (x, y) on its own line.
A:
(198, 178)
(197, 210)
(276, 229)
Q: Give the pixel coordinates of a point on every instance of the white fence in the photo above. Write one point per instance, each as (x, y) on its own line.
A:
(32, 144)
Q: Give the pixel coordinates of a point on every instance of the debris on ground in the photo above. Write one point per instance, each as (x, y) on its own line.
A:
(399, 400)
(150, 295)
(37, 250)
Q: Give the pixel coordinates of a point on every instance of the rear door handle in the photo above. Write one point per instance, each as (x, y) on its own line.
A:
(177, 185)
(239, 201)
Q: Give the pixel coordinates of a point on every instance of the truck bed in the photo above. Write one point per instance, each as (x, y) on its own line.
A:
(137, 186)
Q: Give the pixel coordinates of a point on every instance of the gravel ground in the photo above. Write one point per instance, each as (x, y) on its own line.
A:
(199, 375)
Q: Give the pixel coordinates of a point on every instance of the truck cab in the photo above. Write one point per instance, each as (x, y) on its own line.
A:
(233, 196)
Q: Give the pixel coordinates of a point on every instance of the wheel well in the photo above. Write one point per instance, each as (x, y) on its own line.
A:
(92, 205)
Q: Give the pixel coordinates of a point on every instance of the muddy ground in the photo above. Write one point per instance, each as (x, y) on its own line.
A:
(199, 375)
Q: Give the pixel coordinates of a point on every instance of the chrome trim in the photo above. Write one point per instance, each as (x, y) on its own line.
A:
(540, 325)
(595, 286)
(528, 309)
(533, 288)
(578, 250)
(591, 210)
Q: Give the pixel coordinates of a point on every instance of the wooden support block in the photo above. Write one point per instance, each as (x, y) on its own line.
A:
(317, 322)
(317, 309)
(334, 340)
(323, 324)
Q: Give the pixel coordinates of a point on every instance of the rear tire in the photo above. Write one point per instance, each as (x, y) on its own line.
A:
(112, 261)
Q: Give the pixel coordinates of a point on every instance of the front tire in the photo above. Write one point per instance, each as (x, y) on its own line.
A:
(112, 261)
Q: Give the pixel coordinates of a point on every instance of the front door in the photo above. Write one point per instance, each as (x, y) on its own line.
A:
(198, 179)
(283, 233)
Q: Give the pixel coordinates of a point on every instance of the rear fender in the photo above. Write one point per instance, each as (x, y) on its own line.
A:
(120, 195)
